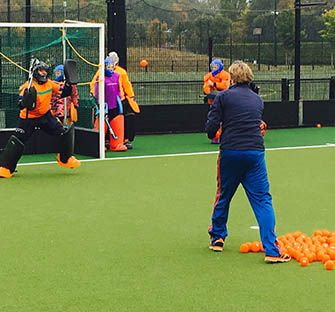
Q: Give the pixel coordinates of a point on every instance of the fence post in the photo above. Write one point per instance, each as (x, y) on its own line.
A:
(172, 66)
(210, 53)
(285, 95)
(332, 88)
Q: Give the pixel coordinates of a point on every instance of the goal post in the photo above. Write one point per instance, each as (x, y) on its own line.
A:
(52, 43)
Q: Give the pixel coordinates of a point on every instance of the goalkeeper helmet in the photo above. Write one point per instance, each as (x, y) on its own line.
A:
(59, 73)
(109, 67)
(216, 66)
(40, 66)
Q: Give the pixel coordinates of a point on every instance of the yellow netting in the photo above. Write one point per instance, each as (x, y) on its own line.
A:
(11, 61)
(73, 49)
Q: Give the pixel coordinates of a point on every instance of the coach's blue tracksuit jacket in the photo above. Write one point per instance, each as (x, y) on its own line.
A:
(241, 160)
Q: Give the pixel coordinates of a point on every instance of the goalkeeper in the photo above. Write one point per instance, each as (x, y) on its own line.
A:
(215, 81)
(241, 160)
(129, 106)
(115, 119)
(34, 104)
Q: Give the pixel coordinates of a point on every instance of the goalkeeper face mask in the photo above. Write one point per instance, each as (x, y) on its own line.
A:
(59, 73)
(216, 67)
(40, 72)
(109, 67)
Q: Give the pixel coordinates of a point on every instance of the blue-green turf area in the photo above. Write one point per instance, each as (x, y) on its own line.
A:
(131, 234)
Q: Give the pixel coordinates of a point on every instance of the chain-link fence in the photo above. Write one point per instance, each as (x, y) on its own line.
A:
(178, 52)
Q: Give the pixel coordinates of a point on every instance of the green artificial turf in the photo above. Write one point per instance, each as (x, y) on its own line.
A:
(131, 234)
(198, 142)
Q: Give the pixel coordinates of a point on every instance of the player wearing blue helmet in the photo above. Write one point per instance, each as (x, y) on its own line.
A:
(57, 104)
(215, 81)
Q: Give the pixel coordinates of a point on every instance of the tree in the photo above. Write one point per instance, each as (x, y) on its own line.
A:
(285, 4)
(200, 33)
(328, 33)
(286, 33)
(149, 10)
(239, 27)
(232, 8)
(264, 21)
(261, 4)
(157, 33)
(219, 28)
(137, 30)
(181, 8)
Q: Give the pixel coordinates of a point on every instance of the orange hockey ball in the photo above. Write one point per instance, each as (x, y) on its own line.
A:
(325, 258)
(144, 63)
(317, 233)
(255, 246)
(304, 261)
(244, 248)
(331, 253)
(329, 265)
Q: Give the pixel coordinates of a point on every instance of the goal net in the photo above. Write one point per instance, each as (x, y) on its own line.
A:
(53, 43)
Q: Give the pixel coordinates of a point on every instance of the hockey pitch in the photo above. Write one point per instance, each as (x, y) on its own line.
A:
(129, 233)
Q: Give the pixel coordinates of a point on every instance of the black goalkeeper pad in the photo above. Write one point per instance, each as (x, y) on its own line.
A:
(67, 144)
(29, 98)
(12, 153)
(70, 72)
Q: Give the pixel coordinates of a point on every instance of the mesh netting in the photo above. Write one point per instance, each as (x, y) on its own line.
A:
(19, 45)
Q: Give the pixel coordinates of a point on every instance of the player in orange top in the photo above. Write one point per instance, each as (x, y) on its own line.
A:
(130, 106)
(34, 103)
(215, 81)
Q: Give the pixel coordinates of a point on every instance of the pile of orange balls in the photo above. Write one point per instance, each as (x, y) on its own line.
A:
(303, 248)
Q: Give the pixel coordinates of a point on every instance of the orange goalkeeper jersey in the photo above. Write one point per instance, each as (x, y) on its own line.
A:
(43, 98)
(221, 80)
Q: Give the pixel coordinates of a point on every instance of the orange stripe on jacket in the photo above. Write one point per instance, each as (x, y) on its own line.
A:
(218, 177)
(218, 192)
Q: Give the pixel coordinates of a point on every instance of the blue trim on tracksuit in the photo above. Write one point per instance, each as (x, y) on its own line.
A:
(119, 103)
(247, 168)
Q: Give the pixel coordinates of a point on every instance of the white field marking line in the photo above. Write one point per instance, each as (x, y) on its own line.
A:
(254, 227)
(181, 154)
(300, 147)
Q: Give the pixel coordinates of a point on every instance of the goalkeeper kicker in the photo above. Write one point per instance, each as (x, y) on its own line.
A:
(34, 103)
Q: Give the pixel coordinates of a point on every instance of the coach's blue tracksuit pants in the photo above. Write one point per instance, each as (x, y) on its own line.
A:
(247, 168)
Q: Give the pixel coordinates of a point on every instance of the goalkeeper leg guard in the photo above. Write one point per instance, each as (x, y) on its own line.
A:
(10, 156)
(65, 158)
(129, 124)
(117, 124)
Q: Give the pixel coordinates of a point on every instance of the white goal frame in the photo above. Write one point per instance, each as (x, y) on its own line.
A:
(79, 24)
